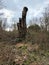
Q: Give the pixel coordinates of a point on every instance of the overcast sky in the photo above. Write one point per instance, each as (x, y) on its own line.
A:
(14, 7)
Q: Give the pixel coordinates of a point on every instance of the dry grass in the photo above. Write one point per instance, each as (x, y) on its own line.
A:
(34, 50)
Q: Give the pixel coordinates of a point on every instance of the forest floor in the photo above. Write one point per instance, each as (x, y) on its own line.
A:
(23, 54)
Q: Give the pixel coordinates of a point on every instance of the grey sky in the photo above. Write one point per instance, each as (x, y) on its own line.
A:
(35, 7)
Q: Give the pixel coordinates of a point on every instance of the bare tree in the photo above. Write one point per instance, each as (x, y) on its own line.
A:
(41, 20)
(14, 26)
(46, 18)
(33, 21)
(0, 24)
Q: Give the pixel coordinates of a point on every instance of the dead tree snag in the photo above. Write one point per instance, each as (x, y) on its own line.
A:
(22, 28)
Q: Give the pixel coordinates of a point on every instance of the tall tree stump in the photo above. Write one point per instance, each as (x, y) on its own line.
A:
(22, 28)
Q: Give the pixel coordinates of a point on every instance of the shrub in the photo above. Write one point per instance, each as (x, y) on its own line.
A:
(34, 27)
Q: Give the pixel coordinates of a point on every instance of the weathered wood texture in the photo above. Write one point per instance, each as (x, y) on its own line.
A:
(22, 28)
